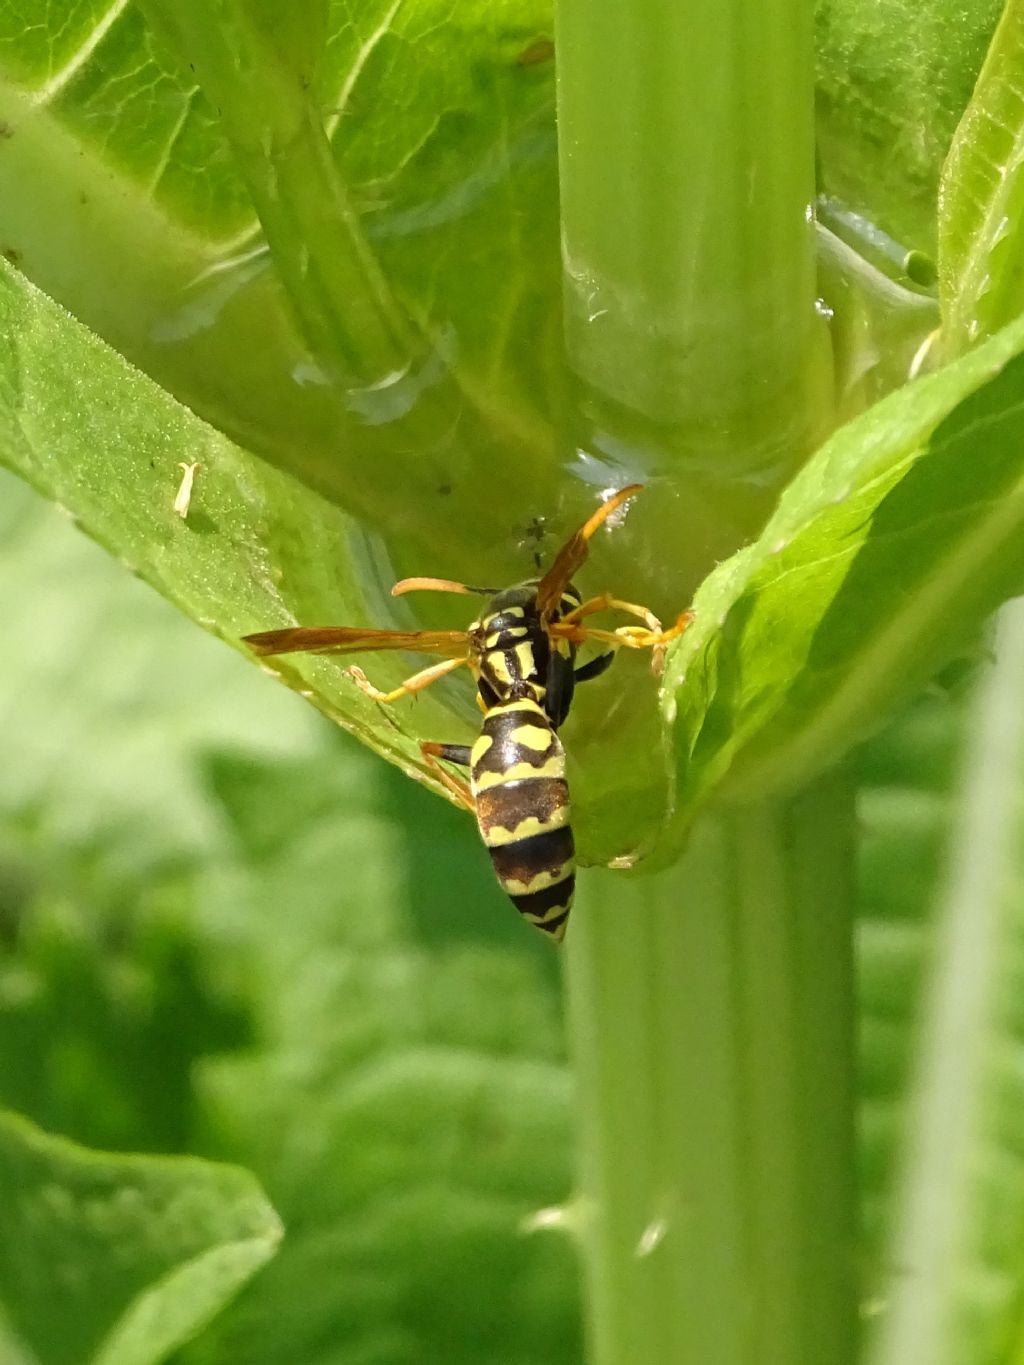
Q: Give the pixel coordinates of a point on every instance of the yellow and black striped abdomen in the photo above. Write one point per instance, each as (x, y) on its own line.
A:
(522, 807)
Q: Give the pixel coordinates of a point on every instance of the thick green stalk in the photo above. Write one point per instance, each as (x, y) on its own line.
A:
(712, 1006)
(711, 1019)
(687, 180)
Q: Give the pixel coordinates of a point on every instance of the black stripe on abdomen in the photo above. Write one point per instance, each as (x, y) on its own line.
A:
(516, 739)
(517, 774)
(548, 909)
(524, 861)
(537, 874)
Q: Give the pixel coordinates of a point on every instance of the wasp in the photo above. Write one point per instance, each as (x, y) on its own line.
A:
(521, 651)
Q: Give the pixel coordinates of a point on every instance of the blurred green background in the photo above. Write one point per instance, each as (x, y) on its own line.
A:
(227, 929)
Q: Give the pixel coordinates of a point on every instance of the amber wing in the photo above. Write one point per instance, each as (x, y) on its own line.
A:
(353, 640)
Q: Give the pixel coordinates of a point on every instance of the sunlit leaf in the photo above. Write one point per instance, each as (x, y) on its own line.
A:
(134, 158)
(257, 548)
(983, 197)
(888, 549)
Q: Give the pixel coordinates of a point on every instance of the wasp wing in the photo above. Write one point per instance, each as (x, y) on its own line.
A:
(574, 552)
(353, 640)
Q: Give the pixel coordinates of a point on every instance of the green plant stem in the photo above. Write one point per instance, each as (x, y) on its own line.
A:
(687, 180)
(711, 1006)
(711, 1020)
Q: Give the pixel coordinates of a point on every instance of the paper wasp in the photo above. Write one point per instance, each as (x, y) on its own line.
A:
(521, 651)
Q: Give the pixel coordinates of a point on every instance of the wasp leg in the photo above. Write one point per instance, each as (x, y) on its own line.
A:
(416, 683)
(606, 602)
(632, 637)
(650, 636)
(594, 668)
(451, 753)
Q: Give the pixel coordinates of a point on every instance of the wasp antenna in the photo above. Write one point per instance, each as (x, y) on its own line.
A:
(438, 585)
(574, 552)
(609, 506)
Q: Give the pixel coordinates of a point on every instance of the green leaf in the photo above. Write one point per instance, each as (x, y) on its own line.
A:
(117, 1260)
(894, 76)
(134, 160)
(257, 548)
(982, 198)
(885, 553)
